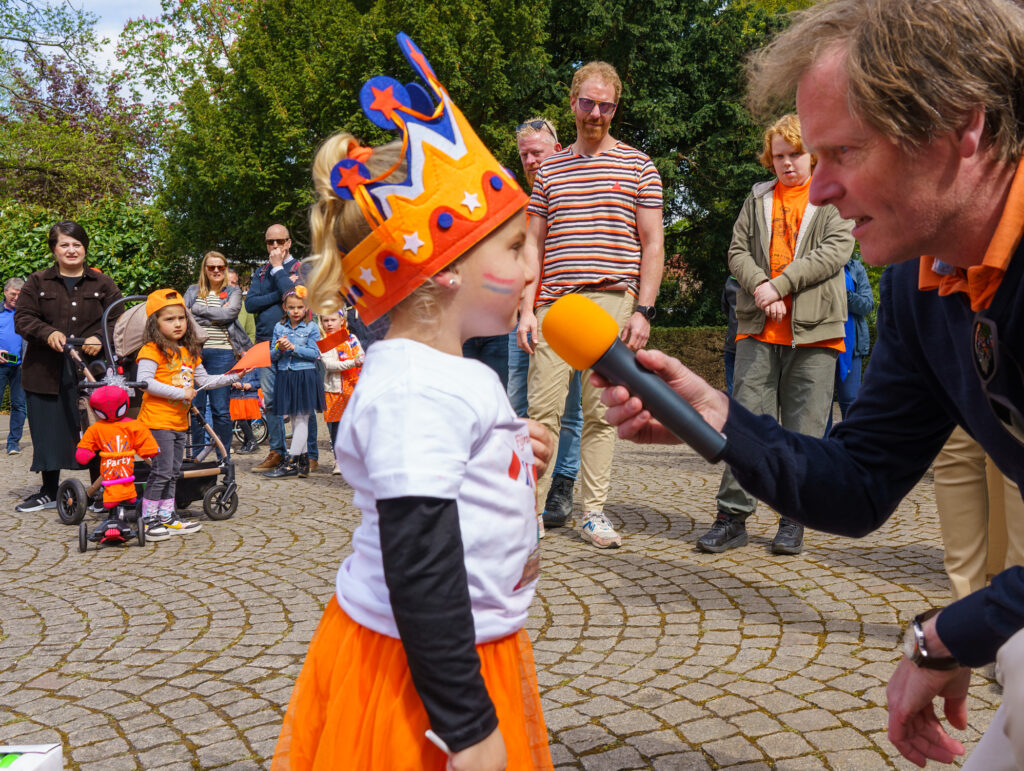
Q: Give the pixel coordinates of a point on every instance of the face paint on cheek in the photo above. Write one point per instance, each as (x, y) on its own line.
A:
(499, 285)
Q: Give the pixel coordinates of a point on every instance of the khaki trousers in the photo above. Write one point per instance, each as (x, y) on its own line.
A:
(792, 385)
(981, 515)
(548, 384)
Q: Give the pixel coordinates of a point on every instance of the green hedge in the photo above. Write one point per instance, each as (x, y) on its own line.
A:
(125, 242)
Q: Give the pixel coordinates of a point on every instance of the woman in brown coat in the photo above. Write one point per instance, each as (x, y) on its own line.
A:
(62, 301)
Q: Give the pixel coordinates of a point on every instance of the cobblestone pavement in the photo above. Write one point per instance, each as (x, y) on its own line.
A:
(182, 654)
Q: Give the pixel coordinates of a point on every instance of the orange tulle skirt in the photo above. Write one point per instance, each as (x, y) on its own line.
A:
(244, 409)
(355, 706)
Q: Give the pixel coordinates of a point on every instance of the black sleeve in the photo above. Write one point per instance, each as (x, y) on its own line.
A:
(425, 571)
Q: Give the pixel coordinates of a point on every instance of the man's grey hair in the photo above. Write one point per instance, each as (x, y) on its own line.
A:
(14, 282)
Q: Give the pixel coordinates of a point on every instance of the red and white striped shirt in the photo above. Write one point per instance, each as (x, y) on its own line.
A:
(589, 203)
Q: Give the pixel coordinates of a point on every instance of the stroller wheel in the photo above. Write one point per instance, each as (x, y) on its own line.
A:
(83, 537)
(140, 531)
(71, 501)
(259, 430)
(217, 505)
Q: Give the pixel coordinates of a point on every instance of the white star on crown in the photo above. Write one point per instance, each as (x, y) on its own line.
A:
(413, 242)
(471, 202)
(367, 276)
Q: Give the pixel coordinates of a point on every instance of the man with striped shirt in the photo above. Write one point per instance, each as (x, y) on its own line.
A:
(595, 228)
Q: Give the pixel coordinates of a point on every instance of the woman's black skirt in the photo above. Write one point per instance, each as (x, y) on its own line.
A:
(54, 422)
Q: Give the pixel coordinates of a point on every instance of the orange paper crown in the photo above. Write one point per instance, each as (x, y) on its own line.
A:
(455, 193)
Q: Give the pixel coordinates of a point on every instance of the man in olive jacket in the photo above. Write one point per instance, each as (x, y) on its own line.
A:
(787, 255)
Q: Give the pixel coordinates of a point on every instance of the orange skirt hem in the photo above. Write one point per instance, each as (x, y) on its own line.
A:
(354, 704)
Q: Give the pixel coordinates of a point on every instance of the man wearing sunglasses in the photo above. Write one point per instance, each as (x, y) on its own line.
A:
(595, 228)
(269, 283)
(919, 140)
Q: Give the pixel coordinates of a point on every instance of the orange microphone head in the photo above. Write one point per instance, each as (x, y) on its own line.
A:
(579, 330)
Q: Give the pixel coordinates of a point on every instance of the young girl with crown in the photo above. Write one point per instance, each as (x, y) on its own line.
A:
(421, 660)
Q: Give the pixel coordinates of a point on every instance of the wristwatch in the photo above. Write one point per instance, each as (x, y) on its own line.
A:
(648, 311)
(915, 649)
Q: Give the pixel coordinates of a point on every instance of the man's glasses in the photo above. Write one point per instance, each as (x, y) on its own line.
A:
(536, 125)
(587, 105)
(1002, 380)
(277, 241)
(215, 268)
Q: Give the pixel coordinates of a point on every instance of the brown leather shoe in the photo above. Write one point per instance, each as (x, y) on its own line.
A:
(269, 463)
(313, 465)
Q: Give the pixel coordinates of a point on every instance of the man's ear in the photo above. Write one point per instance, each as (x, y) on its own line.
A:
(969, 134)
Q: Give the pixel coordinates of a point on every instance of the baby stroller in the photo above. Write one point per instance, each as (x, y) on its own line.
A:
(210, 480)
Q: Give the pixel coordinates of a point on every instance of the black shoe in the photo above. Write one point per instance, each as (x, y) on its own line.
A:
(37, 501)
(302, 462)
(558, 507)
(789, 539)
(728, 532)
(248, 448)
(286, 468)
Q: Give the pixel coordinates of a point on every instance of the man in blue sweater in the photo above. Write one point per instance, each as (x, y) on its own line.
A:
(269, 283)
(919, 139)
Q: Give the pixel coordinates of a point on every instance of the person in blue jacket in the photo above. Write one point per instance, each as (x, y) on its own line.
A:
(860, 301)
(920, 142)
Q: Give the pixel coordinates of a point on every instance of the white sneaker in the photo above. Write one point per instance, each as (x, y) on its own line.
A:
(181, 527)
(155, 530)
(540, 525)
(599, 531)
(336, 471)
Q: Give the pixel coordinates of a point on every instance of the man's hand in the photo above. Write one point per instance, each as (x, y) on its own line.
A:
(56, 340)
(776, 311)
(637, 332)
(486, 755)
(766, 294)
(92, 345)
(914, 728)
(540, 439)
(277, 255)
(526, 335)
(635, 423)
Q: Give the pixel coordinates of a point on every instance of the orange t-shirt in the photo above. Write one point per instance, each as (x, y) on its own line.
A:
(117, 443)
(788, 207)
(160, 413)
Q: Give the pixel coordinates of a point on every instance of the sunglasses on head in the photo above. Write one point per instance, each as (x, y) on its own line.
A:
(536, 125)
(1001, 376)
(587, 105)
(277, 241)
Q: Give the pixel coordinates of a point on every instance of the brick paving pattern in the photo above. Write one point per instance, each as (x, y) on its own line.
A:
(182, 654)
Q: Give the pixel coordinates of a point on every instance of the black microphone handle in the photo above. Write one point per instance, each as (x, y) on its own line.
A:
(619, 366)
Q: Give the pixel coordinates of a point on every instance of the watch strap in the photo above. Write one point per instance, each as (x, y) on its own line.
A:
(920, 656)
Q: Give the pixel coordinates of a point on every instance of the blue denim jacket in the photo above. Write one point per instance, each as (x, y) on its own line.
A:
(303, 337)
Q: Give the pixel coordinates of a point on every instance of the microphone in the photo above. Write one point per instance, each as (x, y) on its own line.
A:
(585, 336)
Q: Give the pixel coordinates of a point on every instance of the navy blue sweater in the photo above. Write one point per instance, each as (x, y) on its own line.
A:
(919, 384)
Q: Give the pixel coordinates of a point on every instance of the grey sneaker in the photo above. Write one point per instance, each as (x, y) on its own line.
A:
(599, 531)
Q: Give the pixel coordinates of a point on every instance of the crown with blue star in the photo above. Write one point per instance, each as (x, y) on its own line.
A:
(454, 195)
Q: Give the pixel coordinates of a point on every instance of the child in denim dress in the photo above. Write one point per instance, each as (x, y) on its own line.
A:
(298, 390)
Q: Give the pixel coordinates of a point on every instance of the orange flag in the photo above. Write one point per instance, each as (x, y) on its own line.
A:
(332, 340)
(257, 356)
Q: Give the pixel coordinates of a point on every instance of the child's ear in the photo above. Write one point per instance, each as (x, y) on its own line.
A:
(449, 279)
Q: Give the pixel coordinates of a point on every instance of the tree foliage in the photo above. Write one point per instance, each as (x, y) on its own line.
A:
(71, 139)
(251, 88)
